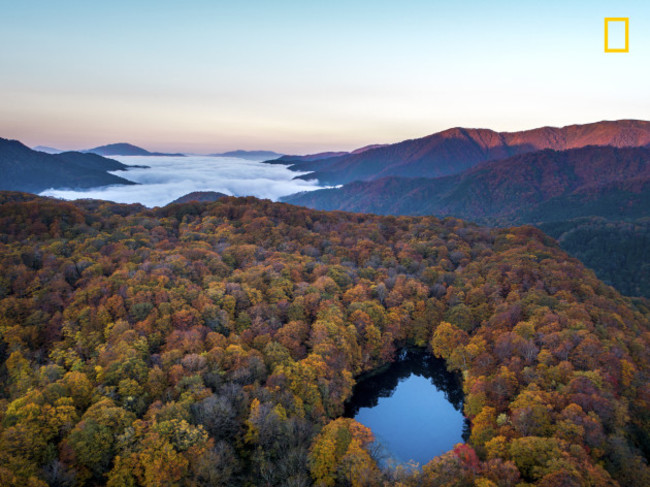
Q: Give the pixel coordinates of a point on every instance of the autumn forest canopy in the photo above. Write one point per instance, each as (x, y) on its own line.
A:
(324, 244)
(207, 344)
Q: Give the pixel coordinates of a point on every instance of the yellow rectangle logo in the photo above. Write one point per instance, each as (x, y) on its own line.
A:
(626, 20)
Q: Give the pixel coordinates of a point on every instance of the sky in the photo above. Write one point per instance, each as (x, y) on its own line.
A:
(305, 76)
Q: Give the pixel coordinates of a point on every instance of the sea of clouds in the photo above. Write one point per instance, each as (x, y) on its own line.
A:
(168, 178)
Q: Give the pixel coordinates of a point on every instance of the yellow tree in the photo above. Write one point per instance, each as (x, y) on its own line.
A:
(340, 452)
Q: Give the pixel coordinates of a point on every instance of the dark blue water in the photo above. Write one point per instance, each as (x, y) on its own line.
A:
(413, 408)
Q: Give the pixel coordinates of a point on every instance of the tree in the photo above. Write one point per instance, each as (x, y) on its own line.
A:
(93, 439)
(447, 338)
(339, 452)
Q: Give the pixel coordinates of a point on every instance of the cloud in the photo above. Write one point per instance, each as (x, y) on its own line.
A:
(168, 178)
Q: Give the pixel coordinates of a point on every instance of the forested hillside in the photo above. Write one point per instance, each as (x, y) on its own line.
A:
(543, 186)
(619, 251)
(205, 344)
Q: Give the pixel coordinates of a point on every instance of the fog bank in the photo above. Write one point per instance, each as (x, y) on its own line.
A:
(168, 178)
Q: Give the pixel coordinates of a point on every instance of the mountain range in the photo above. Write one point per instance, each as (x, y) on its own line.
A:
(124, 149)
(458, 149)
(541, 186)
(24, 169)
(47, 149)
(251, 155)
(320, 156)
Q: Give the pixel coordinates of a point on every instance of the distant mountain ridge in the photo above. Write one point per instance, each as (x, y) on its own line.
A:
(540, 186)
(125, 149)
(252, 155)
(455, 150)
(47, 150)
(24, 169)
(296, 160)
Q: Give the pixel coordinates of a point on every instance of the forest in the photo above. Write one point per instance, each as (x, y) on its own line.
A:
(216, 344)
(618, 251)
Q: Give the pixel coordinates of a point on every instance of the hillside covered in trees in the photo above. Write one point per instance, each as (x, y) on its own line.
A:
(536, 187)
(206, 344)
(619, 251)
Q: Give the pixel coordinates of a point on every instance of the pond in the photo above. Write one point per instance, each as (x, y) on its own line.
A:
(413, 407)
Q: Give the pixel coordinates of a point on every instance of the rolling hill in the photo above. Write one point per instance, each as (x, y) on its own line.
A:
(200, 197)
(24, 169)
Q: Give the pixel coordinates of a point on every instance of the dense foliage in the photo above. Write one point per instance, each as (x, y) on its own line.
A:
(216, 343)
(618, 251)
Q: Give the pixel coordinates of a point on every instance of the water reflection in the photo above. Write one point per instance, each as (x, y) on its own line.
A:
(411, 419)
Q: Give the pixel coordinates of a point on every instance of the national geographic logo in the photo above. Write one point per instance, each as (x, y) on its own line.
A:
(617, 34)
